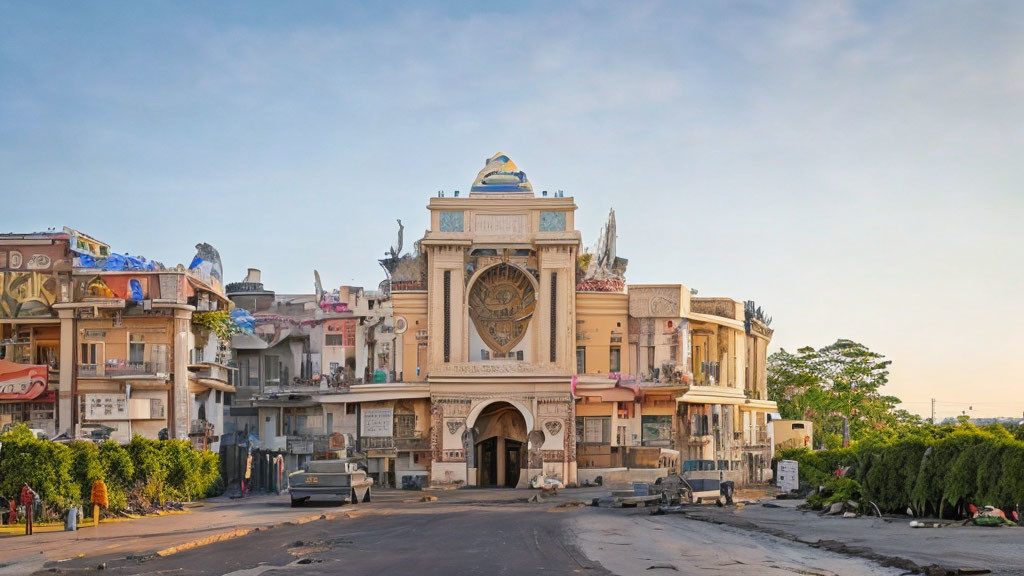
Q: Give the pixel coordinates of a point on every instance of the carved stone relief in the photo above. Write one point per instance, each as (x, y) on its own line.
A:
(553, 427)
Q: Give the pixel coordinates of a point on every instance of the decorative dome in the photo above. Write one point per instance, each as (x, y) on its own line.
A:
(500, 174)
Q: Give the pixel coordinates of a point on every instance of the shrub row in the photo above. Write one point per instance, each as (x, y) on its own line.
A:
(937, 476)
(142, 473)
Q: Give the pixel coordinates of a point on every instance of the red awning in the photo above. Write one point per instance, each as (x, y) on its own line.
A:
(21, 382)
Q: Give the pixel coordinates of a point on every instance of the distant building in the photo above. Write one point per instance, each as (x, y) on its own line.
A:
(118, 337)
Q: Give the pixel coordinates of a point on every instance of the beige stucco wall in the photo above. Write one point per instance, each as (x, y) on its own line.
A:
(600, 317)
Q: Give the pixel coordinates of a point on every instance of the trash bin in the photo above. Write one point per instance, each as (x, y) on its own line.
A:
(641, 488)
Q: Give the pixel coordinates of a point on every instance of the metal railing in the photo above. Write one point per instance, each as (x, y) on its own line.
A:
(372, 443)
(131, 369)
(87, 370)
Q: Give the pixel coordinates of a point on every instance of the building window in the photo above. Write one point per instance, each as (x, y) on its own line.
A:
(88, 354)
(271, 369)
(650, 360)
(405, 425)
(253, 372)
(136, 350)
(597, 430)
(334, 340)
(581, 359)
(220, 397)
(615, 359)
(554, 315)
(451, 221)
(447, 315)
(350, 409)
(552, 221)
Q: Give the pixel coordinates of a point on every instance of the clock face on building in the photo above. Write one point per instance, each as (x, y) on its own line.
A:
(501, 303)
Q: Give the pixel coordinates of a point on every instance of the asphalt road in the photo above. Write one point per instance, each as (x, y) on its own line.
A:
(499, 532)
(386, 538)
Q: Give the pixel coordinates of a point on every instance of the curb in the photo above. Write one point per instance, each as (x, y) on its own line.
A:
(239, 532)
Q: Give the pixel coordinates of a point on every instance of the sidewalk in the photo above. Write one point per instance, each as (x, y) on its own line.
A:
(204, 519)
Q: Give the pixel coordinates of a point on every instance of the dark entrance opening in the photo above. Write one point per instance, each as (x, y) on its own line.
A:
(513, 451)
(502, 450)
(488, 462)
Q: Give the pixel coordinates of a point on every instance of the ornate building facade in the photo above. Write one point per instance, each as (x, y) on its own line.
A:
(488, 320)
(540, 359)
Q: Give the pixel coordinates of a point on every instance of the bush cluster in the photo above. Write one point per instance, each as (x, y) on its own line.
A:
(938, 473)
(138, 475)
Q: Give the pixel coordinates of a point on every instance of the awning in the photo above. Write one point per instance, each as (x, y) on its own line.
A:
(375, 396)
(614, 394)
(22, 382)
(247, 342)
(768, 405)
(713, 395)
(197, 385)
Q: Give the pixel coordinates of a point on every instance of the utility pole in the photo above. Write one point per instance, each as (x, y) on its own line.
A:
(933, 411)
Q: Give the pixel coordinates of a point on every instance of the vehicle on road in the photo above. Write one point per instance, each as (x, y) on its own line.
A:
(676, 489)
(340, 478)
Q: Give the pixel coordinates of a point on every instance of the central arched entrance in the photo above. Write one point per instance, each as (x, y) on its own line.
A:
(501, 445)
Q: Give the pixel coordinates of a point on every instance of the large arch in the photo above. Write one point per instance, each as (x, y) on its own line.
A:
(475, 412)
(497, 442)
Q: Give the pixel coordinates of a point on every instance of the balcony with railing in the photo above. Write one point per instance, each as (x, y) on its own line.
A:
(132, 369)
(118, 368)
(89, 370)
(381, 443)
(709, 374)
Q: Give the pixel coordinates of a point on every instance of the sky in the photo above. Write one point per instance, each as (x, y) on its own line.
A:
(854, 168)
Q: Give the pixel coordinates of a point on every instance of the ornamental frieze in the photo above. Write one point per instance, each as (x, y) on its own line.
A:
(493, 367)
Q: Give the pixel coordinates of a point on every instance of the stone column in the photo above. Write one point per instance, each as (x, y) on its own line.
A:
(178, 428)
(68, 344)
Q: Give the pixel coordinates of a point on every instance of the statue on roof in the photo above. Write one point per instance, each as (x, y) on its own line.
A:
(207, 263)
(500, 174)
(603, 270)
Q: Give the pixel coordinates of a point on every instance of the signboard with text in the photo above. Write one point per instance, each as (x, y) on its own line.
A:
(378, 422)
(106, 407)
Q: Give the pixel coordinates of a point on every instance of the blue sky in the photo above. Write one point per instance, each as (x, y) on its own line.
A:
(854, 167)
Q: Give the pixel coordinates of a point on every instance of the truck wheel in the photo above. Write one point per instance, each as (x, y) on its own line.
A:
(296, 502)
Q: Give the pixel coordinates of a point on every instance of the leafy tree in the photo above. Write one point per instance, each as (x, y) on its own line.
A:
(842, 380)
(85, 468)
(118, 470)
(43, 465)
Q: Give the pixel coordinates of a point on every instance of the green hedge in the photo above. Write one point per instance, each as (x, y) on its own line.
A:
(141, 473)
(936, 474)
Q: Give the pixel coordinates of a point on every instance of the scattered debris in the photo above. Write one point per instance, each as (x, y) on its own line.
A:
(428, 498)
(662, 567)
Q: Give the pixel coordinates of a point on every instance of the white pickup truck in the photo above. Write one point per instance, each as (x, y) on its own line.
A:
(330, 478)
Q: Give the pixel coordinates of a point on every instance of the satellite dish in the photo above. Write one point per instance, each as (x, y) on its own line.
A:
(401, 325)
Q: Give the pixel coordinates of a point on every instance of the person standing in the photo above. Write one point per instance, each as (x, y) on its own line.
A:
(28, 498)
(248, 473)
